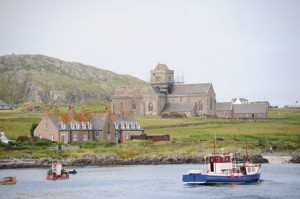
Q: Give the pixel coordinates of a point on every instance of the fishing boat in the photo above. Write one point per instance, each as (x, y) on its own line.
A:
(57, 172)
(8, 180)
(224, 169)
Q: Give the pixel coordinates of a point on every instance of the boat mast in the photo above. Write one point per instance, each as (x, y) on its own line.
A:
(246, 151)
(214, 144)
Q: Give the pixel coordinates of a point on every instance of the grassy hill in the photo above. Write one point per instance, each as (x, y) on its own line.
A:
(188, 136)
(42, 79)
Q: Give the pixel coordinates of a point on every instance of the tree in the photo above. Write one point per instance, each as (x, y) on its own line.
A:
(33, 126)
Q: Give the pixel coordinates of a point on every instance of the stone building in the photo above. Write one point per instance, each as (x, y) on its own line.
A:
(126, 127)
(249, 110)
(224, 109)
(241, 111)
(72, 126)
(163, 95)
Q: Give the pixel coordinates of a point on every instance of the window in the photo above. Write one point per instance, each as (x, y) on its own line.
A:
(85, 137)
(75, 137)
(63, 125)
(64, 138)
(150, 107)
(96, 133)
(40, 135)
(77, 125)
(211, 103)
(127, 136)
(72, 125)
(89, 125)
(200, 106)
(133, 105)
(52, 137)
(83, 124)
(46, 126)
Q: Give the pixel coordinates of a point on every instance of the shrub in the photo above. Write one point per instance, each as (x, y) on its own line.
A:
(43, 142)
(23, 138)
(94, 144)
(76, 143)
(174, 115)
(33, 126)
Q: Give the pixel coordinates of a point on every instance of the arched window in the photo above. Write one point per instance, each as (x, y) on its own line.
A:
(200, 106)
(133, 105)
(211, 103)
(150, 107)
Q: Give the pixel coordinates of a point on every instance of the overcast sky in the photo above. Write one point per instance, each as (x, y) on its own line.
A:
(245, 48)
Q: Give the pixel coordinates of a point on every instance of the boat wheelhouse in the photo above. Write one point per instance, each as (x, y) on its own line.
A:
(57, 172)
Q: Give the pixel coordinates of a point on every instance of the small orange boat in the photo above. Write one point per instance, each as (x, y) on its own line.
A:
(8, 180)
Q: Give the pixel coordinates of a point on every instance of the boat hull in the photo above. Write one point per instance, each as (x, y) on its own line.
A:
(195, 179)
(8, 181)
(55, 177)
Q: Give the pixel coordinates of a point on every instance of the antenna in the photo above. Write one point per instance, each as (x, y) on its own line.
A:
(246, 151)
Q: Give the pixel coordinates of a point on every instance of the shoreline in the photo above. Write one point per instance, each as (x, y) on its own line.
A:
(111, 159)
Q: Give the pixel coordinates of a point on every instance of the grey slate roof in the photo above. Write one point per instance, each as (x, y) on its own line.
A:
(224, 106)
(190, 89)
(98, 122)
(135, 90)
(177, 107)
(249, 108)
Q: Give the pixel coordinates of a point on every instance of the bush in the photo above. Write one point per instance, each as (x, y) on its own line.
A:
(174, 115)
(23, 138)
(43, 142)
(75, 143)
(33, 126)
(94, 144)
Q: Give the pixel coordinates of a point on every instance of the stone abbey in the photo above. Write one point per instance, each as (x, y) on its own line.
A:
(163, 95)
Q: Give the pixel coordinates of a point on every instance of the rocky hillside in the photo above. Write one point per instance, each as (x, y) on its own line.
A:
(42, 79)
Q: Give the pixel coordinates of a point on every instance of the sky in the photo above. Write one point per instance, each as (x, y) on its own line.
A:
(245, 48)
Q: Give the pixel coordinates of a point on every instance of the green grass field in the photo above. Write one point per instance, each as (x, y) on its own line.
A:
(188, 135)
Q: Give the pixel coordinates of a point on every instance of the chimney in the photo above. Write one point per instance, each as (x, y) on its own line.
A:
(83, 110)
(71, 110)
(46, 110)
(56, 110)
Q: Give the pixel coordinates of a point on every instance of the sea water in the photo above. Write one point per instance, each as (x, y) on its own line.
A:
(147, 181)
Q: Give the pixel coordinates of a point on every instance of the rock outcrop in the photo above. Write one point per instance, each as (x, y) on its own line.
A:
(105, 159)
(295, 157)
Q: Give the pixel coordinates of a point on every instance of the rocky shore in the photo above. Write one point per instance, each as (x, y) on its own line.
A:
(106, 159)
